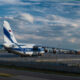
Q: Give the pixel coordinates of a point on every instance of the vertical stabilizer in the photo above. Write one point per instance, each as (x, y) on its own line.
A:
(8, 34)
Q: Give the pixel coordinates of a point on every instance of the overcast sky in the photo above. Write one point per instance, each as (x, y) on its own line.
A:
(48, 22)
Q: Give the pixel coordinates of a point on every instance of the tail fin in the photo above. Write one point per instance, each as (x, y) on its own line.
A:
(8, 34)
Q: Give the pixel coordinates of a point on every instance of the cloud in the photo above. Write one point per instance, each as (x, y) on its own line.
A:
(55, 38)
(9, 1)
(58, 38)
(56, 20)
(72, 40)
(28, 17)
(71, 4)
(28, 36)
(60, 0)
(78, 12)
(13, 2)
(9, 17)
(65, 21)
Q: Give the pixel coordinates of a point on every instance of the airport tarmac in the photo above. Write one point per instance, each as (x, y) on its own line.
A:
(59, 58)
(29, 75)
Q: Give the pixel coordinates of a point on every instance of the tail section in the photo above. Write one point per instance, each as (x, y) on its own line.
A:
(8, 34)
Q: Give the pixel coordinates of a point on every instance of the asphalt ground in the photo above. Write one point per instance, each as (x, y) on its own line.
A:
(62, 58)
(28, 75)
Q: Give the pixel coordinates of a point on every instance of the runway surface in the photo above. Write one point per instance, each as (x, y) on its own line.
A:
(27, 75)
(61, 58)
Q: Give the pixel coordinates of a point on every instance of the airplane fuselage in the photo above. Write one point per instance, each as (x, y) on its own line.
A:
(25, 50)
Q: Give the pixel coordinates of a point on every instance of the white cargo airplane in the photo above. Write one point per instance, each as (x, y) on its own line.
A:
(12, 46)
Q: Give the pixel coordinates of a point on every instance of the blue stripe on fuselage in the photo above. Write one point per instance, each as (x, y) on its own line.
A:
(8, 35)
(26, 49)
(23, 49)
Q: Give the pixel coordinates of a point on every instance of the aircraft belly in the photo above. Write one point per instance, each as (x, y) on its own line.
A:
(23, 53)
